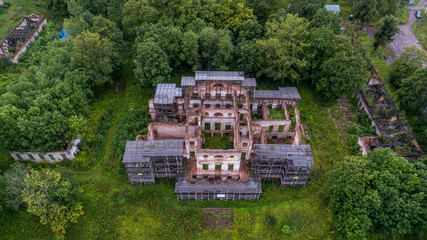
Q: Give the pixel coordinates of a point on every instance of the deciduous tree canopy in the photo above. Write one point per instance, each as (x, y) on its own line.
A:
(381, 192)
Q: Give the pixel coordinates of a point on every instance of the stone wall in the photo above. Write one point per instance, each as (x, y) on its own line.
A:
(50, 157)
(24, 47)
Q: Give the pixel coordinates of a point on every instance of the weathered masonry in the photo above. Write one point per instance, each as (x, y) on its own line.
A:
(50, 157)
(19, 39)
(219, 136)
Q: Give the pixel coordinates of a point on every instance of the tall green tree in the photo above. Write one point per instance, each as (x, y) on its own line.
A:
(215, 48)
(190, 49)
(151, 64)
(14, 185)
(137, 12)
(365, 10)
(381, 193)
(92, 55)
(342, 75)
(325, 18)
(51, 197)
(387, 28)
(305, 8)
(283, 52)
(404, 66)
(413, 94)
(226, 13)
(264, 8)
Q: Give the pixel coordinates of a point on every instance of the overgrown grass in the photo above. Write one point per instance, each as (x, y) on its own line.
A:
(420, 30)
(402, 14)
(276, 113)
(216, 142)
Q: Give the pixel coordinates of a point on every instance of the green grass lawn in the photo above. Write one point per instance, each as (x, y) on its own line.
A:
(420, 30)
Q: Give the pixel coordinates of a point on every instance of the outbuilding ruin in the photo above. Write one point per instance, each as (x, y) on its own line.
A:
(19, 39)
(219, 137)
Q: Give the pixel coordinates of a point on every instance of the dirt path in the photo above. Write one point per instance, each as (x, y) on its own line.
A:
(406, 37)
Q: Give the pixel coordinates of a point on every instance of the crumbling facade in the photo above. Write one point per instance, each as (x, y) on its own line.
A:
(219, 137)
(19, 39)
(391, 128)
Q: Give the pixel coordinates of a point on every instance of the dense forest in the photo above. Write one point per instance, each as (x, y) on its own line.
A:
(95, 85)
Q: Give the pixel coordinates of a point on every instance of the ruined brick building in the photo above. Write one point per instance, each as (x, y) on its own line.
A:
(19, 39)
(219, 136)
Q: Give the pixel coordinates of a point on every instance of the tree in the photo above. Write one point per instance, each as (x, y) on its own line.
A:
(305, 8)
(413, 93)
(55, 5)
(226, 13)
(385, 7)
(92, 55)
(137, 12)
(325, 18)
(190, 49)
(249, 30)
(387, 28)
(51, 197)
(151, 64)
(365, 10)
(404, 66)
(14, 185)
(223, 54)
(215, 48)
(382, 192)
(247, 57)
(283, 51)
(263, 8)
(342, 75)
(167, 36)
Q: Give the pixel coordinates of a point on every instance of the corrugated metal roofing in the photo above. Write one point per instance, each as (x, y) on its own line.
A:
(141, 151)
(300, 155)
(290, 92)
(187, 81)
(334, 8)
(165, 93)
(282, 93)
(219, 75)
(249, 82)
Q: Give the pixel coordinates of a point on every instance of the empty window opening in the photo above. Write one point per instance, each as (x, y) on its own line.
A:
(228, 177)
(230, 167)
(217, 167)
(217, 126)
(205, 167)
(207, 126)
(227, 127)
(192, 154)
